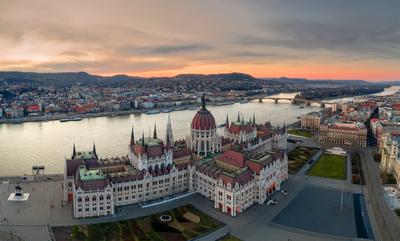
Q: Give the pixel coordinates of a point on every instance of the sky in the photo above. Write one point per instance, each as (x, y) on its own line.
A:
(315, 39)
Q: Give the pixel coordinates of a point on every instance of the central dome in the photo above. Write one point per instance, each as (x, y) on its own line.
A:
(203, 120)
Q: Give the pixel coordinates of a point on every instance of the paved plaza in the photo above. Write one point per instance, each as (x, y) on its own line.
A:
(318, 210)
(30, 220)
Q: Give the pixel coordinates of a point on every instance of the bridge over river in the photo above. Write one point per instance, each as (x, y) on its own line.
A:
(293, 100)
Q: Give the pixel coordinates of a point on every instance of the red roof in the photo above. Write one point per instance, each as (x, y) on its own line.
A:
(33, 108)
(241, 178)
(203, 120)
(232, 158)
(235, 129)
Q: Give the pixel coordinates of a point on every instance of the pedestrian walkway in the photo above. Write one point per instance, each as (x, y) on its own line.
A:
(9, 236)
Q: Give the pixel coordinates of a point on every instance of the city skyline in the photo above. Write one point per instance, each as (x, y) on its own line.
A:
(304, 39)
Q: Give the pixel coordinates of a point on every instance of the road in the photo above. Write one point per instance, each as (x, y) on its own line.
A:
(388, 223)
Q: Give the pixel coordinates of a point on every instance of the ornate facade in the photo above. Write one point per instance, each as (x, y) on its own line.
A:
(234, 179)
(390, 160)
(203, 137)
(352, 134)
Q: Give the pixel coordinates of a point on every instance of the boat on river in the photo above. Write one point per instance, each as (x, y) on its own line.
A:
(70, 119)
(165, 110)
(152, 112)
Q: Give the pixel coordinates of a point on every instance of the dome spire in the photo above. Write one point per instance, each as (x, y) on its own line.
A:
(203, 101)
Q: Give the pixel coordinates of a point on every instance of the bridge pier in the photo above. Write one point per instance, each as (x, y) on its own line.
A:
(276, 100)
(260, 100)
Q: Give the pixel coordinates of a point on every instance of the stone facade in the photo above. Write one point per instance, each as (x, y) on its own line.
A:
(233, 179)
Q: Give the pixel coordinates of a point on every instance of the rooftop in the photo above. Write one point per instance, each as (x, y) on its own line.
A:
(150, 141)
(90, 175)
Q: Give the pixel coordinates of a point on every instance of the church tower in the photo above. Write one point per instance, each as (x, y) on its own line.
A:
(169, 137)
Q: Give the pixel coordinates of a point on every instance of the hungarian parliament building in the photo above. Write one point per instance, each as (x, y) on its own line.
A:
(243, 167)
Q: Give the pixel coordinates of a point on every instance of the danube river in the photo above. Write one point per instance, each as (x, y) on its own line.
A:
(48, 143)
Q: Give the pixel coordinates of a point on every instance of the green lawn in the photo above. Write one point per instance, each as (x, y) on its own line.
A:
(302, 133)
(298, 157)
(330, 166)
(149, 228)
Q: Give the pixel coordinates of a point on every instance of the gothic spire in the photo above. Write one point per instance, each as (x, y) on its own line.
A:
(254, 118)
(155, 131)
(238, 118)
(94, 149)
(227, 122)
(143, 139)
(132, 137)
(169, 139)
(73, 152)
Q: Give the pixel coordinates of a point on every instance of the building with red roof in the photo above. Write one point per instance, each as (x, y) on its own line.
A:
(243, 174)
(204, 138)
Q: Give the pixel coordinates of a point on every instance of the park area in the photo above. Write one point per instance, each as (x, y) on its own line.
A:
(303, 133)
(330, 166)
(179, 224)
(298, 157)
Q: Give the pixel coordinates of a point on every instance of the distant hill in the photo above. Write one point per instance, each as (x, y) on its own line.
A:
(224, 81)
(323, 82)
(83, 78)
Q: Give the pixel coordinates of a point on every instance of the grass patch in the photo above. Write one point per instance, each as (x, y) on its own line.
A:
(330, 166)
(148, 228)
(298, 157)
(302, 133)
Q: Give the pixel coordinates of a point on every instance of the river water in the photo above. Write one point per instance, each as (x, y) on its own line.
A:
(48, 143)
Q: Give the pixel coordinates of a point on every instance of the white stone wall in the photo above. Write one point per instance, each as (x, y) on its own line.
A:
(242, 136)
(93, 203)
(204, 141)
(280, 141)
(204, 185)
(144, 162)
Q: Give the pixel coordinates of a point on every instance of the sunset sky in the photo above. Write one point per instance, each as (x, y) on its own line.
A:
(335, 39)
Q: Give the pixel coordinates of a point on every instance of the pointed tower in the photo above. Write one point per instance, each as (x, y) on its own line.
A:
(169, 137)
(143, 139)
(132, 138)
(238, 118)
(94, 149)
(155, 131)
(203, 101)
(254, 118)
(73, 152)
(227, 122)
